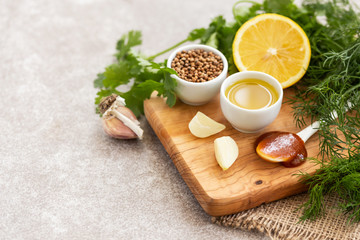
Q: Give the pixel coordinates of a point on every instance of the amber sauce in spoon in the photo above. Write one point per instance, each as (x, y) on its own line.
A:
(285, 147)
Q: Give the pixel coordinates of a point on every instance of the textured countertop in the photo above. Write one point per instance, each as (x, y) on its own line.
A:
(61, 177)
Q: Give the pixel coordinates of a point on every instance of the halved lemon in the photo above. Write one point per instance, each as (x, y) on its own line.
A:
(273, 44)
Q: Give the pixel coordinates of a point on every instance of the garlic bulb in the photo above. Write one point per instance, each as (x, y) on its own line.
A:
(118, 120)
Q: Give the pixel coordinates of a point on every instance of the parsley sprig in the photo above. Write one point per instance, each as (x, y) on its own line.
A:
(144, 75)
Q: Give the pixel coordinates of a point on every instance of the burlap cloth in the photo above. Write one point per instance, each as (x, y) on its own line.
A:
(280, 220)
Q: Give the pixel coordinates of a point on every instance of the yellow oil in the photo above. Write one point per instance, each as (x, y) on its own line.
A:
(251, 94)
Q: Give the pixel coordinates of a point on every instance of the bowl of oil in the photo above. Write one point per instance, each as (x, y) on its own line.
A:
(250, 100)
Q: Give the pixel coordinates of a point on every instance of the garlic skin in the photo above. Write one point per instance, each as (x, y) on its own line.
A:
(115, 128)
(119, 121)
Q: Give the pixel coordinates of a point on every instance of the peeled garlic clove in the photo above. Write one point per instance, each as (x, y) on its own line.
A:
(202, 126)
(226, 151)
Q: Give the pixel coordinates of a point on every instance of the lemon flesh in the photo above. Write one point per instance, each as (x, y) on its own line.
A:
(273, 44)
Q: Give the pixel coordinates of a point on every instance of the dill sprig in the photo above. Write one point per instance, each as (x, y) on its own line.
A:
(339, 157)
(340, 176)
(332, 82)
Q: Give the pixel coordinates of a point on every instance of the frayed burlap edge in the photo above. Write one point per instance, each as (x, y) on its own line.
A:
(280, 220)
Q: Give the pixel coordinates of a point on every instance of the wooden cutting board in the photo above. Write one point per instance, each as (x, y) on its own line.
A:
(249, 182)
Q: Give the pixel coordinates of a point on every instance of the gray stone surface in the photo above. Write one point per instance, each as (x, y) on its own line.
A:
(61, 177)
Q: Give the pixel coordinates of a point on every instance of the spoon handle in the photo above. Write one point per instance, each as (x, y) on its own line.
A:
(306, 133)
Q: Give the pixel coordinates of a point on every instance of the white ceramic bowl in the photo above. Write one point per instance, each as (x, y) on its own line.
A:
(250, 120)
(198, 93)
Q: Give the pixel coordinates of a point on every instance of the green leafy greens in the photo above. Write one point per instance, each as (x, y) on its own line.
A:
(331, 82)
(145, 75)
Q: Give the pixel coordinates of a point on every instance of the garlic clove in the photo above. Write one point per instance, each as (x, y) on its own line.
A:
(202, 126)
(226, 151)
(118, 120)
(117, 129)
(129, 120)
(125, 125)
(127, 113)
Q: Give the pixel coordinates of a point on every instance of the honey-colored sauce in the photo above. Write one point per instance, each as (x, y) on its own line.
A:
(287, 148)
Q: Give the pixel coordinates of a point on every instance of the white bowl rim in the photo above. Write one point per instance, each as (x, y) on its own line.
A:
(222, 90)
(199, 46)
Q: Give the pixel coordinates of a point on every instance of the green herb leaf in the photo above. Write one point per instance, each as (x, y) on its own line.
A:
(242, 13)
(196, 34)
(332, 80)
(277, 6)
(169, 92)
(116, 75)
(135, 97)
(215, 25)
(98, 82)
(213, 41)
(127, 41)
